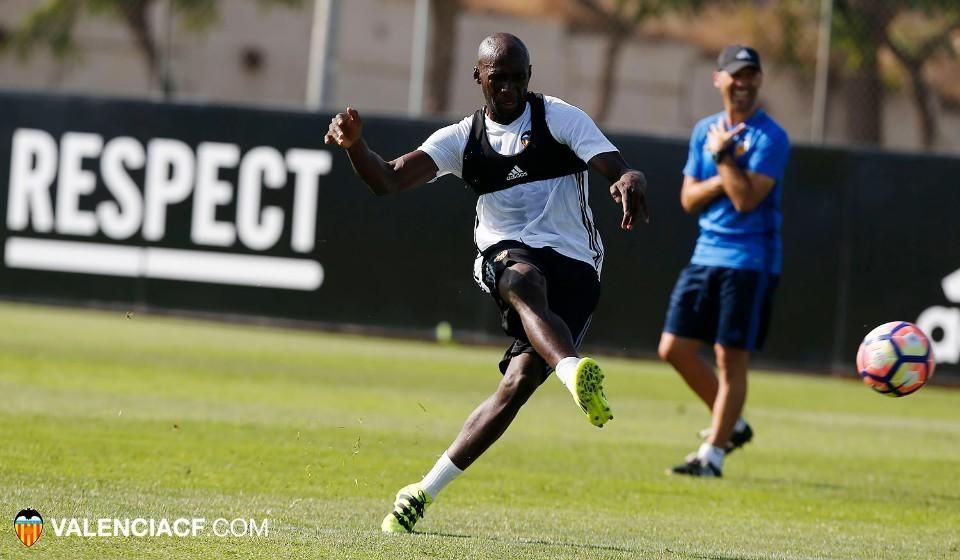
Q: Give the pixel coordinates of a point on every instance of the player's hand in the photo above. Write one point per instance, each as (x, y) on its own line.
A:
(345, 129)
(719, 137)
(631, 193)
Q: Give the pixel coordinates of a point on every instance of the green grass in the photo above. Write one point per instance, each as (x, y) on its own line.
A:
(104, 416)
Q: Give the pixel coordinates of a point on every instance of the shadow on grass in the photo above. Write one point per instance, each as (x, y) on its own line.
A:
(817, 484)
(823, 485)
(713, 556)
(582, 546)
(546, 542)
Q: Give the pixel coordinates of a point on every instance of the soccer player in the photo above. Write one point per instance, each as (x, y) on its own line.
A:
(733, 179)
(525, 155)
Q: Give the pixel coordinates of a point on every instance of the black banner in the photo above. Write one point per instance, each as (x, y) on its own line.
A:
(242, 211)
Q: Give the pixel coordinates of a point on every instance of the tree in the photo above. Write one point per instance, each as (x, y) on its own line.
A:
(443, 38)
(861, 30)
(52, 25)
(623, 18)
(913, 56)
(859, 27)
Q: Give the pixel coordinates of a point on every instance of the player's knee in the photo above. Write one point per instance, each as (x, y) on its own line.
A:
(517, 386)
(669, 350)
(665, 349)
(731, 362)
(522, 284)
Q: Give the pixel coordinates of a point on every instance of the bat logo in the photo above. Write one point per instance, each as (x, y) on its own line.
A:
(741, 148)
(525, 138)
(28, 524)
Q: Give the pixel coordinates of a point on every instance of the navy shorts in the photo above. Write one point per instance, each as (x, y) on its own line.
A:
(720, 305)
(573, 291)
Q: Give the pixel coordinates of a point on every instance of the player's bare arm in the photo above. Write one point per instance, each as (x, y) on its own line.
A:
(695, 195)
(745, 189)
(628, 186)
(383, 177)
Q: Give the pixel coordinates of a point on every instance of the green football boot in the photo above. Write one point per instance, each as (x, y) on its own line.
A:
(588, 385)
(412, 500)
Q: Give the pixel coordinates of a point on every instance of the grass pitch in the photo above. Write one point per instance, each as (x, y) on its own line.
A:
(103, 416)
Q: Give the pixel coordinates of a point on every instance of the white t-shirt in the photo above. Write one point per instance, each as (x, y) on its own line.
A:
(550, 213)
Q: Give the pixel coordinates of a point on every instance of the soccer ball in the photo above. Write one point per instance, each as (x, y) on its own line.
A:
(895, 359)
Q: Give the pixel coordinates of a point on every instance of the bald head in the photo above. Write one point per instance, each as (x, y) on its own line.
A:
(503, 71)
(500, 46)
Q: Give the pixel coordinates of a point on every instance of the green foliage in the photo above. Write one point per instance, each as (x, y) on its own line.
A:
(107, 416)
(860, 29)
(52, 23)
(635, 12)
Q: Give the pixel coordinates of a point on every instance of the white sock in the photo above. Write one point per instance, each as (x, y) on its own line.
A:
(566, 369)
(741, 425)
(442, 473)
(713, 455)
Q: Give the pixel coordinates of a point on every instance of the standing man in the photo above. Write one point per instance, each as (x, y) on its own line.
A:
(525, 156)
(734, 179)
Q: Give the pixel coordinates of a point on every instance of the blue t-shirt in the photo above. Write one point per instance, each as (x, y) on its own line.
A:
(749, 240)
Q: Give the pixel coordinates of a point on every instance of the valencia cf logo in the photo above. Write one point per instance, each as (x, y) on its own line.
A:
(28, 525)
(742, 147)
(525, 138)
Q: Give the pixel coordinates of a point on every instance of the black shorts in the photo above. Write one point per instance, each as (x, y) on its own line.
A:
(573, 290)
(726, 306)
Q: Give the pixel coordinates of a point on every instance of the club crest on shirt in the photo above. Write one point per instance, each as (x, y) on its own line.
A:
(741, 147)
(526, 137)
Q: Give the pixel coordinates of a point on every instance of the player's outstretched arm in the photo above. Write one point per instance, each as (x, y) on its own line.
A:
(383, 177)
(628, 186)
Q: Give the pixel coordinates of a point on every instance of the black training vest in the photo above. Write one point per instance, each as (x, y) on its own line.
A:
(487, 171)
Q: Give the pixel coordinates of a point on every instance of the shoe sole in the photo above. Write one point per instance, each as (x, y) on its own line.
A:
(590, 397)
(673, 472)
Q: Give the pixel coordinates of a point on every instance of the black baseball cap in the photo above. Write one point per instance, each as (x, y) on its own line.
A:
(737, 57)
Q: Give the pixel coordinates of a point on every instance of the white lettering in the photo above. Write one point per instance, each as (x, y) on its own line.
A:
(307, 165)
(138, 527)
(168, 180)
(262, 530)
(51, 189)
(211, 192)
(238, 527)
(33, 167)
(58, 527)
(163, 527)
(221, 527)
(951, 286)
(259, 230)
(121, 219)
(947, 320)
(181, 527)
(75, 181)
